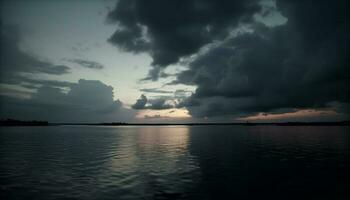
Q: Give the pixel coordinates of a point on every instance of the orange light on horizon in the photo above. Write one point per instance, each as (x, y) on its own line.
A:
(299, 114)
(161, 114)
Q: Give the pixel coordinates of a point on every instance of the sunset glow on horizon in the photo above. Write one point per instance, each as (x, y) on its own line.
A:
(193, 61)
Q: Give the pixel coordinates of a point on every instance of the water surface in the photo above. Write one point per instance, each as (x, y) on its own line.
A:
(175, 162)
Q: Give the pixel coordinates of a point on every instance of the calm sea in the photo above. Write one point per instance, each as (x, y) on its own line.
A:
(175, 162)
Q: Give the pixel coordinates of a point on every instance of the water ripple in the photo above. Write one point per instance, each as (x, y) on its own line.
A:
(86, 162)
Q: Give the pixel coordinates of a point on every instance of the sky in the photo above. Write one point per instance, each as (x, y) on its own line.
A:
(175, 61)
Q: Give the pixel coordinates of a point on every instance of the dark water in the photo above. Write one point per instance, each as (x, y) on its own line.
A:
(179, 162)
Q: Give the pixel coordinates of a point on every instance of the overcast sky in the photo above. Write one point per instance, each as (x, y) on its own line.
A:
(175, 61)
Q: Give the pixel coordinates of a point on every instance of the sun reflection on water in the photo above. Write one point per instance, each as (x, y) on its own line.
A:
(154, 159)
(170, 138)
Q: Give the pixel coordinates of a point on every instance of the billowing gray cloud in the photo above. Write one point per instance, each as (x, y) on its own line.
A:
(166, 99)
(14, 62)
(170, 30)
(86, 101)
(87, 63)
(140, 103)
(159, 103)
(301, 64)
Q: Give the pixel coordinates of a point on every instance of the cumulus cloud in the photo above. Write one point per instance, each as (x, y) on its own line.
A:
(86, 101)
(140, 103)
(170, 30)
(87, 63)
(168, 99)
(159, 103)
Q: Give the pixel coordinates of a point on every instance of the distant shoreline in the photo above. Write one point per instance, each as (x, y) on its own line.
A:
(11, 122)
(342, 123)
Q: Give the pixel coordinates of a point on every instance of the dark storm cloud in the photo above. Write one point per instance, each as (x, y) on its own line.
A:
(87, 63)
(86, 101)
(301, 64)
(14, 62)
(159, 103)
(170, 30)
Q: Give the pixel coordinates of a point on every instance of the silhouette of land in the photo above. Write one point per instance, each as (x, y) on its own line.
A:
(14, 122)
(341, 123)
